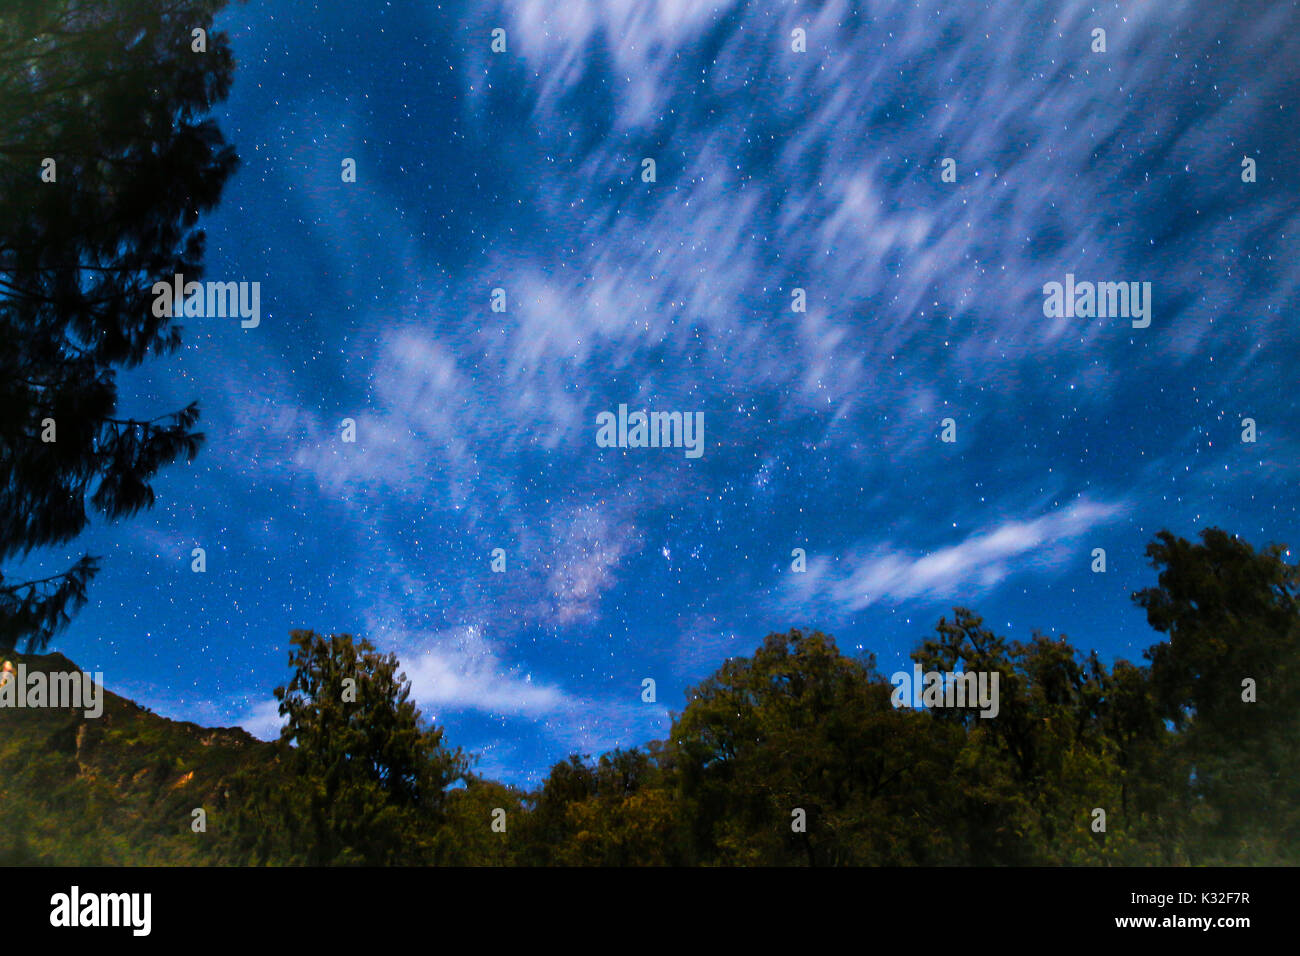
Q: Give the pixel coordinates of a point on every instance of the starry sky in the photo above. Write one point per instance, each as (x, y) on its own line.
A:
(775, 170)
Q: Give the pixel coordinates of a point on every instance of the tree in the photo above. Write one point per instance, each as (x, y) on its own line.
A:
(1070, 737)
(621, 811)
(474, 832)
(569, 782)
(641, 828)
(800, 727)
(114, 96)
(1228, 680)
(372, 773)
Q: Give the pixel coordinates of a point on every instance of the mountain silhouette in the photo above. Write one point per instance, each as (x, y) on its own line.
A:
(117, 789)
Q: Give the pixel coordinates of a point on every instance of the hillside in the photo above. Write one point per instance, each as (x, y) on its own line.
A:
(116, 789)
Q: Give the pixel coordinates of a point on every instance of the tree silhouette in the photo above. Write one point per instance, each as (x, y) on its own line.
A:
(1228, 679)
(106, 164)
(371, 771)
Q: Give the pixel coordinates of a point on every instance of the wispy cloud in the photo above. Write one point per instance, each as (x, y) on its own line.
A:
(263, 720)
(459, 669)
(973, 566)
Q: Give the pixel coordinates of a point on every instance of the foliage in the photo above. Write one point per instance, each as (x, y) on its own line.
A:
(366, 775)
(113, 94)
(1188, 769)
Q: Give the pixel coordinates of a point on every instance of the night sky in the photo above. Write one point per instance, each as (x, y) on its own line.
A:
(776, 171)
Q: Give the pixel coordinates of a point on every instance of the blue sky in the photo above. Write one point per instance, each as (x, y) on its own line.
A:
(776, 170)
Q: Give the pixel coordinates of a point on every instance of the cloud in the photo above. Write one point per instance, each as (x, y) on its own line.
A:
(971, 567)
(262, 720)
(458, 669)
(639, 38)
